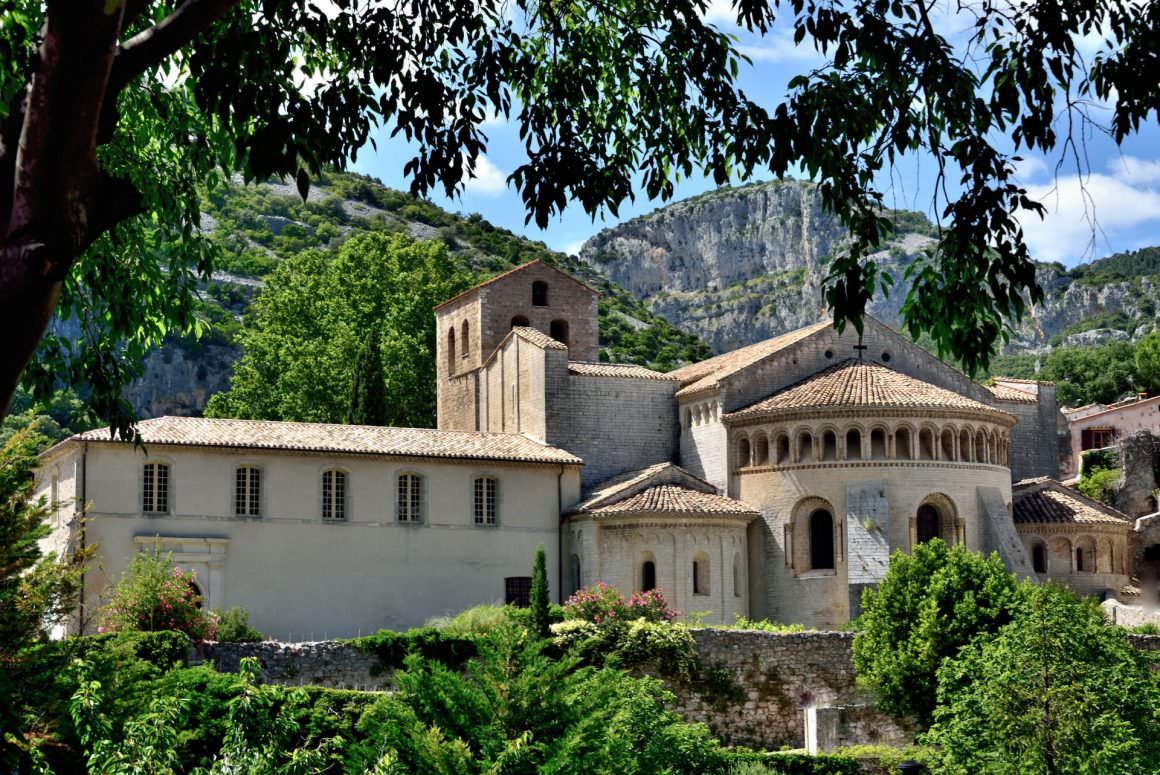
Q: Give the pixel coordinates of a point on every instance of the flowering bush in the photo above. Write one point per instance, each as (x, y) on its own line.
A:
(154, 595)
(604, 605)
(669, 645)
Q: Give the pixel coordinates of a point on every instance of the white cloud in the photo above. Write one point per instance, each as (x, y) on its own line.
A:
(1084, 214)
(487, 179)
(779, 47)
(1135, 171)
(720, 12)
(573, 248)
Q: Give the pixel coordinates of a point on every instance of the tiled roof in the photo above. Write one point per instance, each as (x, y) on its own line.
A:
(663, 488)
(341, 439)
(855, 384)
(701, 376)
(590, 369)
(512, 271)
(1044, 501)
(1025, 381)
(1004, 393)
(673, 499)
(538, 338)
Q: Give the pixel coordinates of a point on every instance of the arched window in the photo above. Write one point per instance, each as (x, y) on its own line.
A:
(1079, 560)
(926, 444)
(648, 576)
(965, 445)
(743, 452)
(451, 348)
(948, 445)
(760, 450)
(1039, 558)
(902, 444)
(782, 449)
(853, 444)
(821, 540)
(464, 341)
(700, 573)
(247, 491)
(485, 500)
(829, 446)
(980, 447)
(926, 523)
(558, 330)
(155, 488)
(519, 321)
(805, 448)
(409, 498)
(539, 294)
(878, 444)
(333, 496)
(574, 564)
(737, 579)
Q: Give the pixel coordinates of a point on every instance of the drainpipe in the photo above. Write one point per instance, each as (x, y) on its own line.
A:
(559, 534)
(84, 503)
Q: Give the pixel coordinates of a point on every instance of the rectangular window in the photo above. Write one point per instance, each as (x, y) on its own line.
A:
(1102, 437)
(334, 496)
(155, 489)
(248, 492)
(409, 500)
(517, 591)
(485, 500)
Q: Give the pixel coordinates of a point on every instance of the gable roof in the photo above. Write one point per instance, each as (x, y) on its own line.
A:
(663, 488)
(1044, 501)
(1006, 393)
(591, 369)
(854, 384)
(534, 336)
(509, 273)
(338, 439)
(708, 373)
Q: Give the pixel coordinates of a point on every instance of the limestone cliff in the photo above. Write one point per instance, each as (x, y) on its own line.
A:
(742, 264)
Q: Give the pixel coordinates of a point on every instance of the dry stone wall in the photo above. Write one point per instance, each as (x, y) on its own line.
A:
(755, 692)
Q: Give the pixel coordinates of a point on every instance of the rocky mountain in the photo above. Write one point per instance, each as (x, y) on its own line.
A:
(738, 265)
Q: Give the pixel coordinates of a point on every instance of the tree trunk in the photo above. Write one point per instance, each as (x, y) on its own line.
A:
(27, 301)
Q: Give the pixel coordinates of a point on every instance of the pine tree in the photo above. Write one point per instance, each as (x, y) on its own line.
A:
(368, 400)
(539, 600)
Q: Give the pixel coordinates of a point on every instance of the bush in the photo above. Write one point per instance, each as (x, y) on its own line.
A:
(746, 762)
(154, 595)
(234, 627)
(929, 605)
(1100, 484)
(392, 648)
(762, 625)
(602, 604)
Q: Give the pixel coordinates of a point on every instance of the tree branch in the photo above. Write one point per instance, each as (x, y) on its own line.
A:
(151, 47)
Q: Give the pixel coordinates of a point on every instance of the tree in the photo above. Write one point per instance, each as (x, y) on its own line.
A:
(114, 112)
(36, 591)
(541, 619)
(305, 330)
(929, 605)
(1057, 690)
(1148, 362)
(368, 399)
(1083, 375)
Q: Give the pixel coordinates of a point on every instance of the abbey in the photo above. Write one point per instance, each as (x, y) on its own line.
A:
(773, 481)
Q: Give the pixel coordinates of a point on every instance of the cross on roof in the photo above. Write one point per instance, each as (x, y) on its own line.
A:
(861, 348)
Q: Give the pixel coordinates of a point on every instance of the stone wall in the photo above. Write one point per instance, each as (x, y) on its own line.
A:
(761, 684)
(778, 676)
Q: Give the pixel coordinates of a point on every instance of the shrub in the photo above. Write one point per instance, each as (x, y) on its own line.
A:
(392, 648)
(540, 601)
(602, 604)
(763, 625)
(234, 627)
(154, 595)
(670, 646)
(1100, 484)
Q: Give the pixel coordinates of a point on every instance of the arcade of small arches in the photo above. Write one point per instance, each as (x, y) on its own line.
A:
(702, 413)
(854, 442)
(1059, 554)
(814, 539)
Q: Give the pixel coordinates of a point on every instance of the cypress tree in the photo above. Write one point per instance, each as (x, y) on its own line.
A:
(368, 399)
(539, 600)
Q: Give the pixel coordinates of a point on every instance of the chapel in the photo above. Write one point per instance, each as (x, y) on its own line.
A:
(770, 482)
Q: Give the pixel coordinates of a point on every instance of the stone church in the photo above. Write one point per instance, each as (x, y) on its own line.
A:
(771, 482)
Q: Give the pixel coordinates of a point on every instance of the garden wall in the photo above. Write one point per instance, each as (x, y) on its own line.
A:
(755, 691)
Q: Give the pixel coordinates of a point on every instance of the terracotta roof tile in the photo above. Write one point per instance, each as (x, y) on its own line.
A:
(1042, 501)
(1004, 393)
(538, 338)
(674, 500)
(590, 369)
(855, 384)
(706, 374)
(341, 439)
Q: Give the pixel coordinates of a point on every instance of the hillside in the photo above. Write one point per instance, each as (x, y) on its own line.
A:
(742, 264)
(257, 227)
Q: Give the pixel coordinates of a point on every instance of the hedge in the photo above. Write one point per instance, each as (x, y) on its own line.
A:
(391, 648)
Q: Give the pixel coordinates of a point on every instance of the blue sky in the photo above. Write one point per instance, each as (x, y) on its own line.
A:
(1122, 183)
